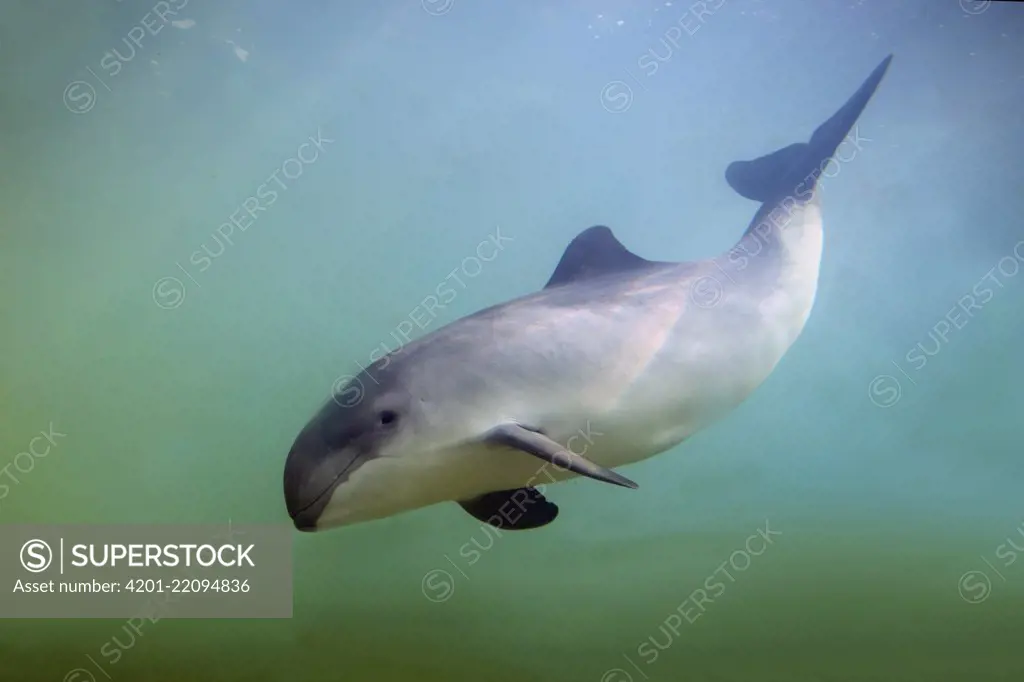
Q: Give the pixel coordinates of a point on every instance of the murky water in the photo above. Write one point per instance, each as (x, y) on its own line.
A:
(212, 211)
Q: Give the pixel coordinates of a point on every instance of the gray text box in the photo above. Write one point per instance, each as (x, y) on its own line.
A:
(146, 571)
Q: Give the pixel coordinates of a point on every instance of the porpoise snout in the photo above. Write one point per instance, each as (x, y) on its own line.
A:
(300, 496)
(312, 472)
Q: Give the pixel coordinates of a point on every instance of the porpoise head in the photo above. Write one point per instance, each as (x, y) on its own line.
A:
(384, 443)
(366, 424)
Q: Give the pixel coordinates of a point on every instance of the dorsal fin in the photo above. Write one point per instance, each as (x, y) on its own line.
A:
(594, 252)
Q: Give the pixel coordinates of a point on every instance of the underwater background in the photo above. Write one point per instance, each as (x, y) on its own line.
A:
(879, 471)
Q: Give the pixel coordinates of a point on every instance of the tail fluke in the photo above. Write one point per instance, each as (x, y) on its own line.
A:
(796, 168)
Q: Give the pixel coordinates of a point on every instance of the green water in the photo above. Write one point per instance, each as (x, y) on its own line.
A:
(889, 554)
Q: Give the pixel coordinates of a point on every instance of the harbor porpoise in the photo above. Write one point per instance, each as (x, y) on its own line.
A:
(623, 356)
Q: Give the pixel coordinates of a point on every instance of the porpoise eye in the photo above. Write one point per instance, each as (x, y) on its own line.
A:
(387, 418)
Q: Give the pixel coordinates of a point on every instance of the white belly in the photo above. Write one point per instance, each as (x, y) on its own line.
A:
(715, 357)
(683, 376)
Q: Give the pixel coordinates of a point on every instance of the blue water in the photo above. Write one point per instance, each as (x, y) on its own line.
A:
(879, 467)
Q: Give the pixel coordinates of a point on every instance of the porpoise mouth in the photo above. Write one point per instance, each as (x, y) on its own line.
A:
(305, 517)
(307, 522)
